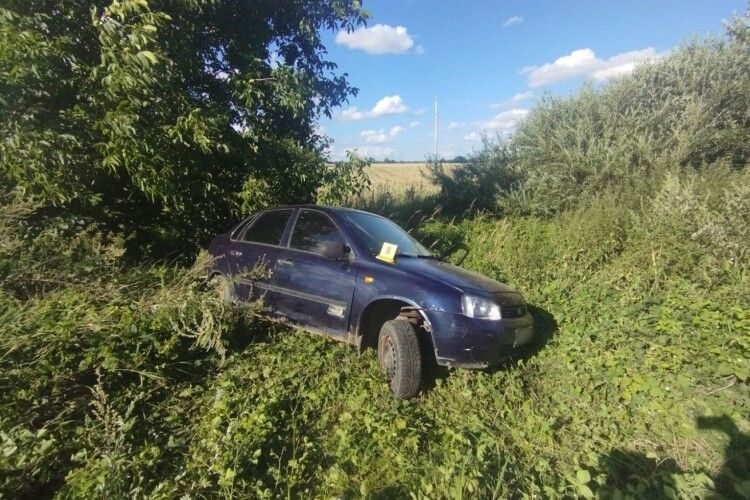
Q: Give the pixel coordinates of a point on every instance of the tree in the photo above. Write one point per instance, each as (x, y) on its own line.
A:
(164, 119)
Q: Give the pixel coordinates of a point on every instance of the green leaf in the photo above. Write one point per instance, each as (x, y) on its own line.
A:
(583, 476)
(585, 491)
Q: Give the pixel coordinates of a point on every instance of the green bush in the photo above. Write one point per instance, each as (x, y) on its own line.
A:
(90, 347)
(344, 180)
(475, 184)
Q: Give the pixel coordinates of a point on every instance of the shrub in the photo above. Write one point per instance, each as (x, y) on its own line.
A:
(475, 184)
(344, 181)
(91, 346)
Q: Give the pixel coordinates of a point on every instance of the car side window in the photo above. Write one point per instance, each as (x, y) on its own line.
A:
(312, 230)
(241, 226)
(268, 228)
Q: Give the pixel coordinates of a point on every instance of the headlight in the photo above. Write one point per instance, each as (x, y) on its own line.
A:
(477, 307)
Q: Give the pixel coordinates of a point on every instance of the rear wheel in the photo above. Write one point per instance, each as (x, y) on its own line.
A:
(400, 357)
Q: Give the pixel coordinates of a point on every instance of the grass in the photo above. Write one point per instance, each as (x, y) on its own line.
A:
(639, 388)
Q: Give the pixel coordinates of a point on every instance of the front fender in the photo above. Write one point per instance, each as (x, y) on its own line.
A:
(400, 298)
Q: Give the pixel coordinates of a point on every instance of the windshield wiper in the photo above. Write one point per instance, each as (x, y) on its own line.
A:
(416, 256)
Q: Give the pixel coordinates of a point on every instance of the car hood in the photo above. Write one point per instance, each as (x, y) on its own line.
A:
(467, 281)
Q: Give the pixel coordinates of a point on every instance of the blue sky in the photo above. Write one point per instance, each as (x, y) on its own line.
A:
(488, 61)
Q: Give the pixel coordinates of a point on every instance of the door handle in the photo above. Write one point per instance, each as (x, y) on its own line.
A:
(284, 262)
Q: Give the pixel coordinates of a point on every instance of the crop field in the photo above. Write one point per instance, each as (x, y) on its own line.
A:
(400, 177)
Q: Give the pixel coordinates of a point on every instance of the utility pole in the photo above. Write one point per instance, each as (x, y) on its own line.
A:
(436, 128)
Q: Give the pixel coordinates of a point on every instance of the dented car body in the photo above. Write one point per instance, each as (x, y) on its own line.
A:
(325, 273)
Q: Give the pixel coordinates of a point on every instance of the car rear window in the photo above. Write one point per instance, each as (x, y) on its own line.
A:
(313, 228)
(268, 228)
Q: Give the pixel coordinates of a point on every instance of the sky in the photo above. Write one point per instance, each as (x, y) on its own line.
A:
(488, 61)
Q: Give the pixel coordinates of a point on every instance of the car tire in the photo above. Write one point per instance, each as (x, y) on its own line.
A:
(224, 287)
(400, 357)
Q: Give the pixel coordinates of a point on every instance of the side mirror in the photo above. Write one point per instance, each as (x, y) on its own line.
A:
(334, 249)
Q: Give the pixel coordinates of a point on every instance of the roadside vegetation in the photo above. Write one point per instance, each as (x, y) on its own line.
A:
(622, 213)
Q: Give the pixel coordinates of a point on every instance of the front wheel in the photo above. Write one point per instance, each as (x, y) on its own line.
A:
(400, 357)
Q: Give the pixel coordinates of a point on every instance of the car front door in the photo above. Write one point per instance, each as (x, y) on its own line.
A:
(254, 254)
(316, 285)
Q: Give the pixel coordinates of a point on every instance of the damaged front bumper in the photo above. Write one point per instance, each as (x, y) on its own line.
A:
(461, 341)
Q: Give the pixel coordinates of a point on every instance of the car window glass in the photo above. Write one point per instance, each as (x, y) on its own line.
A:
(269, 228)
(312, 230)
(373, 231)
(241, 226)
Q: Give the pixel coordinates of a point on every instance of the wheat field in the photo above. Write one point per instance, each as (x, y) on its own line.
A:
(400, 177)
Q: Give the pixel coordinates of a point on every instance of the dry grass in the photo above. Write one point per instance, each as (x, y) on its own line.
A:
(399, 177)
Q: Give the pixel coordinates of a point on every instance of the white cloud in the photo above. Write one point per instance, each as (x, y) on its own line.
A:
(414, 124)
(381, 136)
(378, 39)
(519, 97)
(474, 136)
(624, 64)
(506, 120)
(583, 62)
(419, 111)
(388, 105)
(578, 62)
(455, 125)
(351, 114)
(513, 20)
(374, 136)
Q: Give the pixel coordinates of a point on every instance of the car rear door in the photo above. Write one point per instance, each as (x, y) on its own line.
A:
(255, 253)
(316, 291)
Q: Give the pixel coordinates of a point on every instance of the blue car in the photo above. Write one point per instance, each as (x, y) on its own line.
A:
(359, 278)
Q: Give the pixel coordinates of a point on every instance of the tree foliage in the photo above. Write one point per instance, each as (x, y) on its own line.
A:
(344, 180)
(163, 119)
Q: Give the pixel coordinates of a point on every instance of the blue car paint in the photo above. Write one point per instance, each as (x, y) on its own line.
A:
(321, 294)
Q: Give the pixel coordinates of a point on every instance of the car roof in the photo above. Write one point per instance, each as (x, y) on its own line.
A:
(325, 208)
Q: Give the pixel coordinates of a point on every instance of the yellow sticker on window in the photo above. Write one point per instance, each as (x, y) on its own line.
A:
(388, 252)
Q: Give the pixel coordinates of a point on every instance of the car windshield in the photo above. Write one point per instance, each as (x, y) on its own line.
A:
(373, 231)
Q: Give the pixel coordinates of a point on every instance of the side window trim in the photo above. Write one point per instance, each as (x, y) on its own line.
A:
(239, 230)
(241, 237)
(286, 239)
(296, 217)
